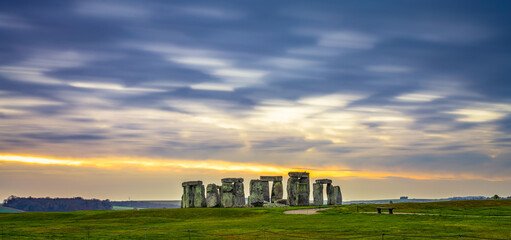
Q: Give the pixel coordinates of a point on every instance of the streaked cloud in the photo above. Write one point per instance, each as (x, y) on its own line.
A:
(200, 61)
(418, 97)
(388, 69)
(111, 10)
(476, 115)
(347, 39)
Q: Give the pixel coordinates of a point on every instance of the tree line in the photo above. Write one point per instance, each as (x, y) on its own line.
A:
(30, 204)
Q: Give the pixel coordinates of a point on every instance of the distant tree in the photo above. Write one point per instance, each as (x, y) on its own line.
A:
(47, 204)
(496, 196)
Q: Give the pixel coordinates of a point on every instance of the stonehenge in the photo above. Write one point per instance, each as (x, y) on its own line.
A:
(212, 196)
(256, 197)
(231, 194)
(277, 189)
(333, 193)
(193, 195)
(298, 189)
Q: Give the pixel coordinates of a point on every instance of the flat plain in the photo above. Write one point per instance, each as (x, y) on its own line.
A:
(490, 219)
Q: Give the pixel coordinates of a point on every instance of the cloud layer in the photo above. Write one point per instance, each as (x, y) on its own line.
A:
(400, 87)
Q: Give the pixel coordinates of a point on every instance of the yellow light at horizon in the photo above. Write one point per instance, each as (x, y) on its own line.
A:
(39, 160)
(219, 165)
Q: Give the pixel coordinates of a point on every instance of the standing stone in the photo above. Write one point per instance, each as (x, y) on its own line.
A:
(220, 195)
(193, 194)
(266, 190)
(256, 198)
(186, 199)
(317, 192)
(338, 194)
(227, 195)
(303, 194)
(239, 194)
(277, 191)
(212, 197)
(303, 190)
(331, 197)
(233, 192)
(292, 190)
(199, 198)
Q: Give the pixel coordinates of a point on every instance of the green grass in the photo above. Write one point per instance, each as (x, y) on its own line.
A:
(342, 221)
(469, 208)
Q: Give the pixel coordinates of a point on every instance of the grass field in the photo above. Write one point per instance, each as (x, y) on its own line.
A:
(469, 218)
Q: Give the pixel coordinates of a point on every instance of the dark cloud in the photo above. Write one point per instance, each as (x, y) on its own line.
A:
(158, 73)
(52, 137)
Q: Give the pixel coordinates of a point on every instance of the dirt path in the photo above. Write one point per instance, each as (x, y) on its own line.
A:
(307, 211)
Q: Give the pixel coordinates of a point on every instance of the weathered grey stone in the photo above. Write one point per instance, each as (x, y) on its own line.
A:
(298, 174)
(187, 198)
(338, 199)
(303, 194)
(304, 191)
(271, 178)
(324, 181)
(232, 180)
(330, 194)
(212, 196)
(220, 194)
(192, 183)
(277, 191)
(239, 194)
(317, 192)
(227, 195)
(292, 190)
(266, 190)
(256, 193)
(199, 198)
(193, 195)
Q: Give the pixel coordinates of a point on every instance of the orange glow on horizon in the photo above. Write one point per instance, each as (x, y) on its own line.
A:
(220, 165)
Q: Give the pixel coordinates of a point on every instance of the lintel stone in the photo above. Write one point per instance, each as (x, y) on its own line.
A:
(232, 180)
(271, 178)
(298, 174)
(192, 183)
(324, 181)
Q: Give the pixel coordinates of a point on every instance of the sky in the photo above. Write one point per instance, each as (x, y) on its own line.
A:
(127, 99)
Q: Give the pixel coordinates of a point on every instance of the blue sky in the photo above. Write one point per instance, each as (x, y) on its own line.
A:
(407, 89)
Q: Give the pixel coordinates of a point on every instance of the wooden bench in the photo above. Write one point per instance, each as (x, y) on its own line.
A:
(386, 208)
